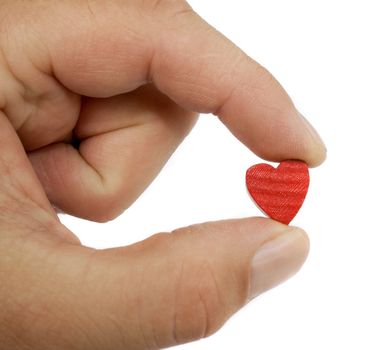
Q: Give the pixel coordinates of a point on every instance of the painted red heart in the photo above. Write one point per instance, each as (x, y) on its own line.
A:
(279, 192)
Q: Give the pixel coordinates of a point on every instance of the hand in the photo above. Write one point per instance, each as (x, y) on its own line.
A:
(94, 98)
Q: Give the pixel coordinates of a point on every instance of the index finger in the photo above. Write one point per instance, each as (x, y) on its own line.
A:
(189, 61)
(205, 72)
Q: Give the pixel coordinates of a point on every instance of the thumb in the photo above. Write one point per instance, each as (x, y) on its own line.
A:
(201, 275)
(167, 290)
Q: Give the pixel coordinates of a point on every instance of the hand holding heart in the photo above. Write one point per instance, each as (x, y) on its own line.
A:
(124, 80)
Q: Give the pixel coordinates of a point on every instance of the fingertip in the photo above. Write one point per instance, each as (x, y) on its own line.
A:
(303, 239)
(317, 149)
(319, 156)
(277, 260)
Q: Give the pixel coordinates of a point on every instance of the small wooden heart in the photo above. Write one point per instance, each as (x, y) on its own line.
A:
(279, 192)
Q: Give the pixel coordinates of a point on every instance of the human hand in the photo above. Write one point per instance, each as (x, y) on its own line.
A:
(125, 79)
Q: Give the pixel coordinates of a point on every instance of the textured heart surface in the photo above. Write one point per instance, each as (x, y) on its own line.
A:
(279, 192)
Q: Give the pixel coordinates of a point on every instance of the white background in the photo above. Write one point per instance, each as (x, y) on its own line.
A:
(332, 56)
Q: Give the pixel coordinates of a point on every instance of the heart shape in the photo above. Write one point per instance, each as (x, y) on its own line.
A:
(279, 192)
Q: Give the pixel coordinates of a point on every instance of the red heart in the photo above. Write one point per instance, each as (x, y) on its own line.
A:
(280, 192)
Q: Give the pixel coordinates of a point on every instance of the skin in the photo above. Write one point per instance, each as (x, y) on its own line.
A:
(123, 80)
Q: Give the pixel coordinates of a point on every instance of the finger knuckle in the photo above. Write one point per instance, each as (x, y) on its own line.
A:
(104, 204)
(103, 213)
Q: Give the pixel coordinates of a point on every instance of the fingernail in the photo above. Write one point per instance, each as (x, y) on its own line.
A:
(313, 132)
(278, 260)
